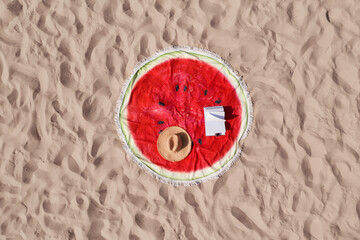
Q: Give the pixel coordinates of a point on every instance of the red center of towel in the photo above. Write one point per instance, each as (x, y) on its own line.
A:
(174, 93)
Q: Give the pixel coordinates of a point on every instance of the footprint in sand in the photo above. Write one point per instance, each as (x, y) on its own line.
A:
(297, 13)
(243, 218)
(190, 25)
(190, 199)
(6, 115)
(346, 73)
(164, 192)
(64, 18)
(221, 182)
(133, 8)
(110, 10)
(169, 34)
(185, 219)
(65, 49)
(67, 77)
(132, 236)
(211, 6)
(110, 62)
(312, 169)
(94, 41)
(82, 202)
(98, 229)
(97, 106)
(13, 218)
(313, 228)
(47, 25)
(107, 192)
(312, 144)
(55, 203)
(163, 6)
(300, 201)
(153, 227)
(15, 7)
(76, 163)
(147, 45)
(345, 173)
(97, 143)
(28, 171)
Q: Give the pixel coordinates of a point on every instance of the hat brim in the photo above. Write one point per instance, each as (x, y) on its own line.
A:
(164, 150)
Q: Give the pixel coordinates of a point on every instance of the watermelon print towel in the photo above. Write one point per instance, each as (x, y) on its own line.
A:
(171, 89)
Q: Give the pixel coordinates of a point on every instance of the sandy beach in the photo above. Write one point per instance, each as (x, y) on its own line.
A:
(64, 173)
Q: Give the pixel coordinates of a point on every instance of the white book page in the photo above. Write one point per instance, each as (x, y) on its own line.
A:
(215, 128)
(214, 109)
(214, 121)
(216, 117)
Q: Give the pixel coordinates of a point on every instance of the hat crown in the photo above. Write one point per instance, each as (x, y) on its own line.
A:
(175, 143)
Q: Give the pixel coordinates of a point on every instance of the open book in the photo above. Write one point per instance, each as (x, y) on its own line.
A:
(214, 121)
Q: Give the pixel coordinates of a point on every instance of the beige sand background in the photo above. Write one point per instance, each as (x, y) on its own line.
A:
(64, 173)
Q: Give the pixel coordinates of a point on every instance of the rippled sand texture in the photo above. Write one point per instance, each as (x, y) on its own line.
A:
(64, 173)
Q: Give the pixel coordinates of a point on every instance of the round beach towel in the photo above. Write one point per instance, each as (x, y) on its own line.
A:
(172, 88)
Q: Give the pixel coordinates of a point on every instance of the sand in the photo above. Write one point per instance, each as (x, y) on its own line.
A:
(65, 175)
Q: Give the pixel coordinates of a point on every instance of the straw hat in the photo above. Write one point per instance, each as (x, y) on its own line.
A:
(174, 144)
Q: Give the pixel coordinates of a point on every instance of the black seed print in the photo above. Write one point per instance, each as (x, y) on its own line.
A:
(185, 87)
(177, 87)
(161, 103)
(161, 122)
(160, 131)
(205, 93)
(218, 101)
(200, 141)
